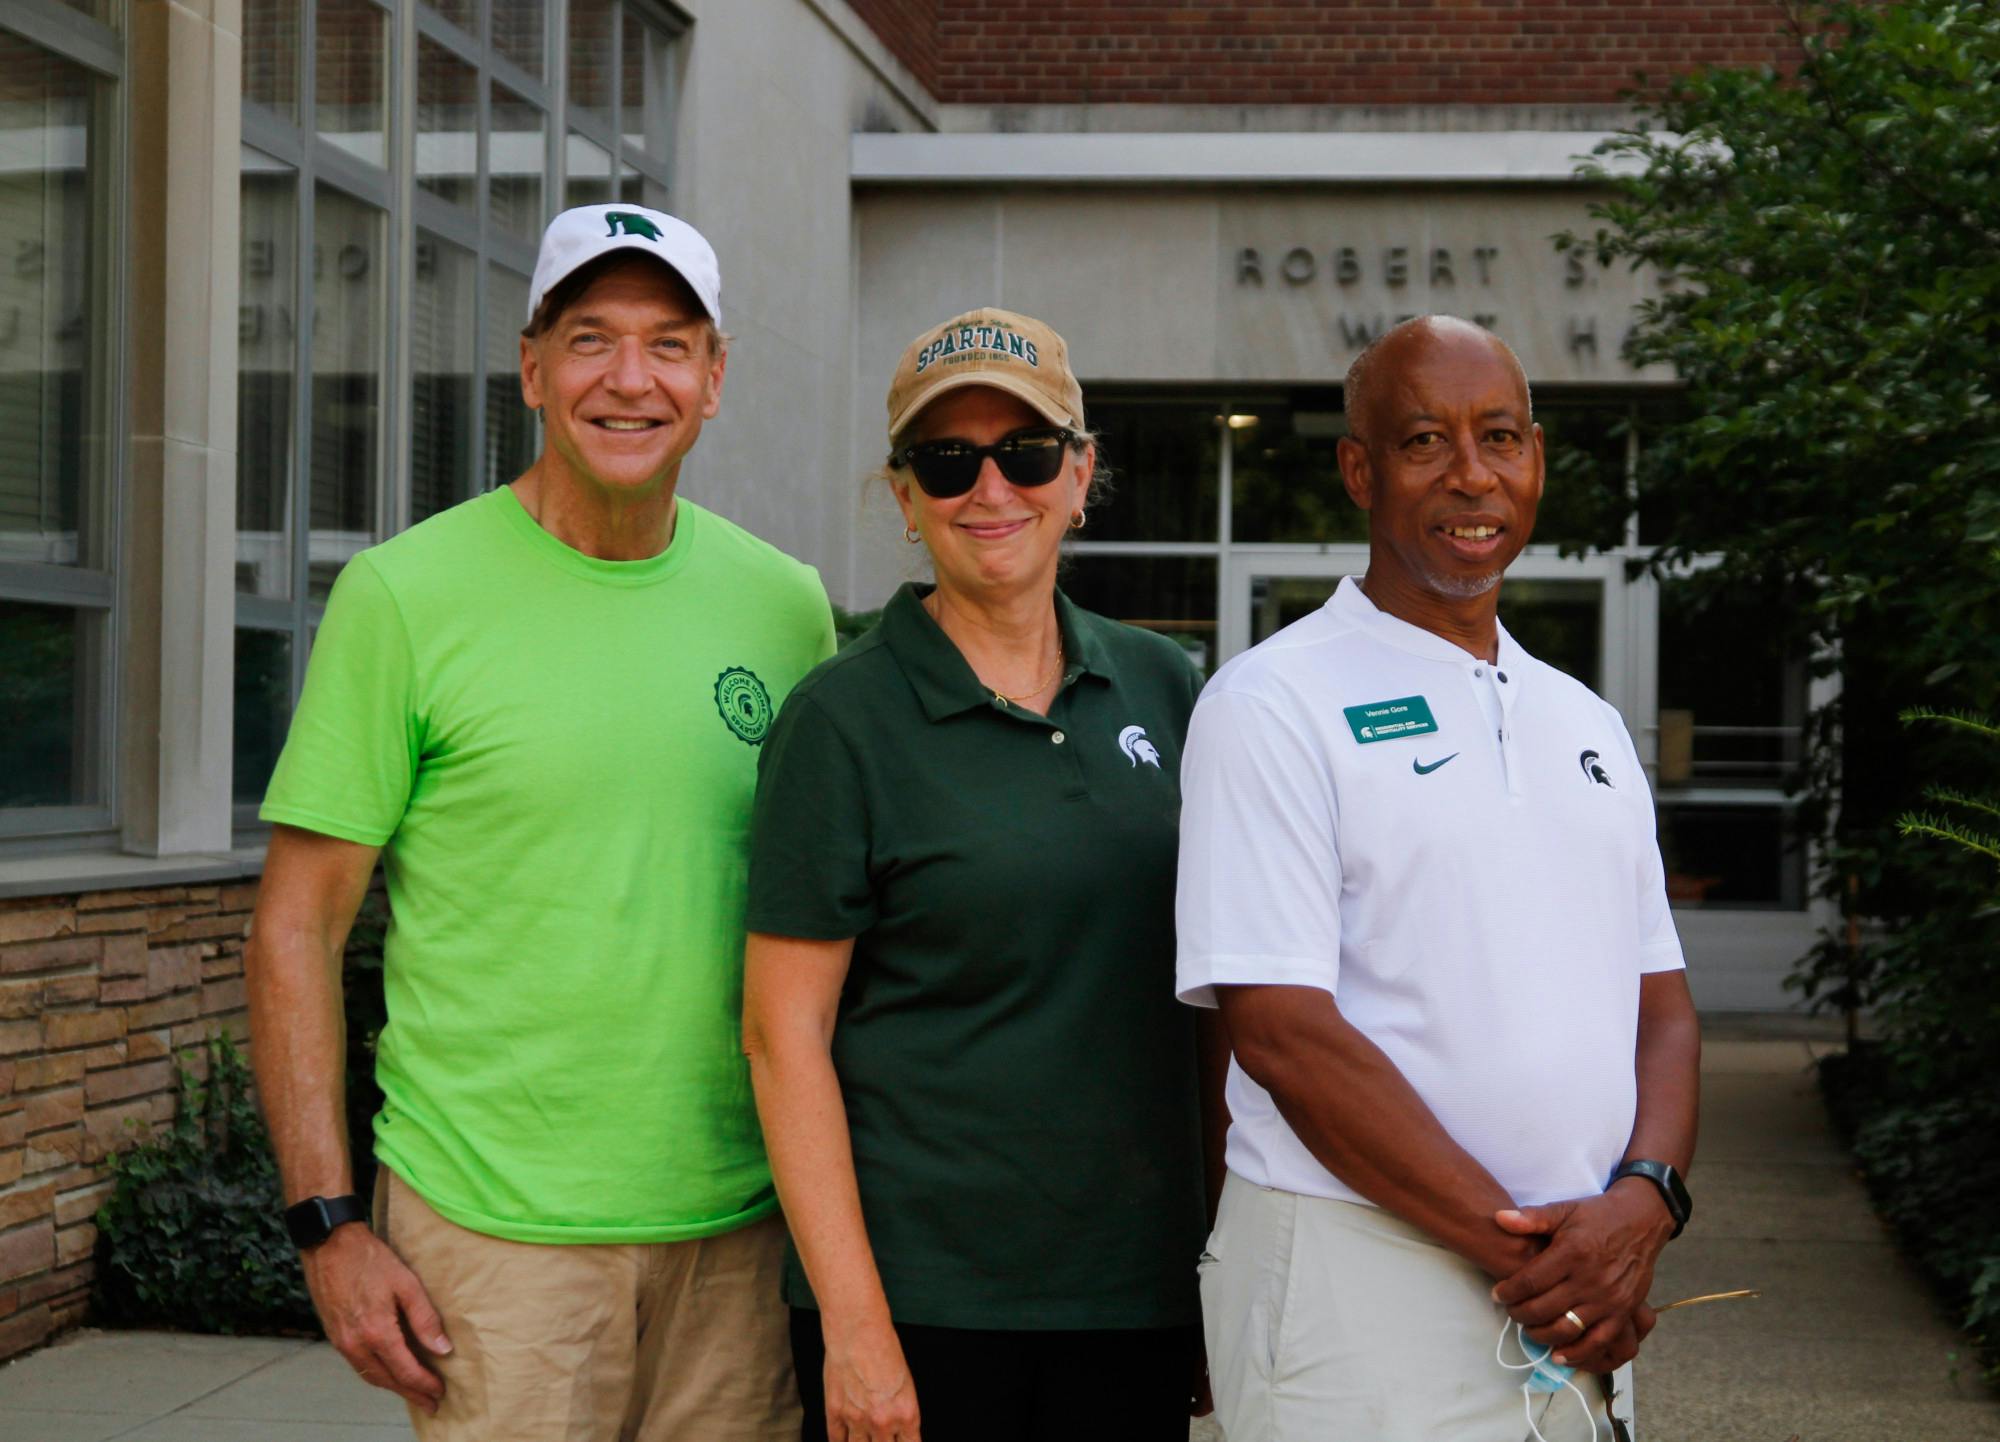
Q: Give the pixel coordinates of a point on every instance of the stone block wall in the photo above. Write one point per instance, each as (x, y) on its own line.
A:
(99, 992)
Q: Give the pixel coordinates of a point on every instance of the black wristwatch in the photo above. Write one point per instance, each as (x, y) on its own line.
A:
(1673, 1191)
(313, 1220)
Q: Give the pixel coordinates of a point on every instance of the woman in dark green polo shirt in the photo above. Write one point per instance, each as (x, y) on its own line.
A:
(978, 1091)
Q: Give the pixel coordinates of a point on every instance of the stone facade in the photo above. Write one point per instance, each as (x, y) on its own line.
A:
(98, 994)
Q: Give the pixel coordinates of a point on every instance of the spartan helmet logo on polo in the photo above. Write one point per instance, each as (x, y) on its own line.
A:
(634, 225)
(1132, 741)
(1588, 761)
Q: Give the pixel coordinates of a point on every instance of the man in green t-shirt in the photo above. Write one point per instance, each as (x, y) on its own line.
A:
(541, 710)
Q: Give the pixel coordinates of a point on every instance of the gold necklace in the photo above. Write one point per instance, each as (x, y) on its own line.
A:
(1040, 686)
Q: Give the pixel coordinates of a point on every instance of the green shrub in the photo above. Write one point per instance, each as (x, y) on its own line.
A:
(1932, 1167)
(193, 1235)
(1921, 1106)
(366, 1014)
(850, 625)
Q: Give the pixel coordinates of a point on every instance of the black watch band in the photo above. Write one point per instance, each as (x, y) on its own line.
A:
(313, 1220)
(1673, 1191)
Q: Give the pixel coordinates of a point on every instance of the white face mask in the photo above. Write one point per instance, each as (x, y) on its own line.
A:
(1544, 1376)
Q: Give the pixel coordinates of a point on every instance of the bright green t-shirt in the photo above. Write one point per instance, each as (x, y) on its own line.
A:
(558, 755)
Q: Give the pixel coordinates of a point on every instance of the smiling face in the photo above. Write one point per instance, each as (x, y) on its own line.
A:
(624, 377)
(997, 538)
(1446, 462)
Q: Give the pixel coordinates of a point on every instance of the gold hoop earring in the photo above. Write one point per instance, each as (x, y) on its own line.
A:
(912, 534)
(1076, 519)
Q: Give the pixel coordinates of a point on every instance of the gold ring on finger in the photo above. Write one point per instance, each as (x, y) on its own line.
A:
(1577, 1321)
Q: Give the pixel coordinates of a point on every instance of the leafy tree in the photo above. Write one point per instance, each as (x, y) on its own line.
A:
(1830, 235)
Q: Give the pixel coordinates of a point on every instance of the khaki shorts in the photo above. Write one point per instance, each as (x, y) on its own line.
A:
(662, 1342)
(1337, 1322)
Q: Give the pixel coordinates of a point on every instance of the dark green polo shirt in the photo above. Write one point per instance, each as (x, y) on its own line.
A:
(1019, 1079)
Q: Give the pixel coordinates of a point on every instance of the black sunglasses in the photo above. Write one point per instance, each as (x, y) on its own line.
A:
(1032, 456)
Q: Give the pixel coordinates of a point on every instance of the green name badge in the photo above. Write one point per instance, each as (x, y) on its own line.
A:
(1391, 720)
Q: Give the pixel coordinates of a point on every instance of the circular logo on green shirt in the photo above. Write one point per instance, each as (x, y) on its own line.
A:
(744, 703)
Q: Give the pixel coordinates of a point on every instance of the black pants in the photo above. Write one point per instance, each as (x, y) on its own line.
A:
(972, 1386)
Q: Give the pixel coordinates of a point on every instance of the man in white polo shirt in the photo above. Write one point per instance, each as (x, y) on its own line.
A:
(1419, 877)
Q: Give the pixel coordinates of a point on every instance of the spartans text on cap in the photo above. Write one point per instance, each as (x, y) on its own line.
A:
(981, 337)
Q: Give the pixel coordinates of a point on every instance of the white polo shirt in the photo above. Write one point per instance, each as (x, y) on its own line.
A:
(1462, 853)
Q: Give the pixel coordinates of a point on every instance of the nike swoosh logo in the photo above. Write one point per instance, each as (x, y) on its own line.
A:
(1423, 770)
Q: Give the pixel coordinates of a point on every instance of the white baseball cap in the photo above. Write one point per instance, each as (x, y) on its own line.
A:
(579, 236)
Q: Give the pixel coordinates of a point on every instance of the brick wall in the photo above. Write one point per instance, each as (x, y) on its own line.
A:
(910, 29)
(1315, 52)
(97, 994)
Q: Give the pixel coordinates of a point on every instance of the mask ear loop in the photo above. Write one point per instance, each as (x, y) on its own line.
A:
(1529, 1366)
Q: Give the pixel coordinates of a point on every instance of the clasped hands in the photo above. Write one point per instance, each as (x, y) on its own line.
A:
(1597, 1265)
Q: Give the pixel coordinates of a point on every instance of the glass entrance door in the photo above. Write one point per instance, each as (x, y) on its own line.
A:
(1562, 611)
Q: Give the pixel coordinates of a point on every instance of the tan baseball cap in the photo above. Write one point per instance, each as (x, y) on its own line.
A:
(987, 347)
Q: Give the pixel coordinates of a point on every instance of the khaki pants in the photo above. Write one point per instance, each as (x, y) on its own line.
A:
(1335, 1322)
(667, 1342)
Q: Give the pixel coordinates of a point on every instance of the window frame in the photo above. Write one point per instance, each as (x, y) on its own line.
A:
(315, 162)
(411, 211)
(92, 586)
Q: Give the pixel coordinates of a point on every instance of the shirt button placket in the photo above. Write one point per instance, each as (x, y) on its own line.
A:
(1511, 761)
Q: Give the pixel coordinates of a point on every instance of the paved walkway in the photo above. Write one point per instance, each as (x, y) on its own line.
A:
(1843, 1346)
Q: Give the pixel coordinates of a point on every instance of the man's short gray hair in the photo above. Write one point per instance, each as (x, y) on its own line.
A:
(1359, 390)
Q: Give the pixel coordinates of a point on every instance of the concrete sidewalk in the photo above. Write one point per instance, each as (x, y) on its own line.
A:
(1845, 1343)
(171, 1387)
(1843, 1346)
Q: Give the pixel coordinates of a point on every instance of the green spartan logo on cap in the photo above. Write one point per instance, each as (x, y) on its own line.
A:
(636, 225)
(745, 704)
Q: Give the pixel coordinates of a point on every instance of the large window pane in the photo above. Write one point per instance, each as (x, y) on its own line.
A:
(1583, 499)
(266, 373)
(1173, 595)
(263, 708)
(48, 666)
(271, 55)
(1163, 469)
(636, 188)
(1277, 601)
(647, 87)
(1732, 718)
(462, 13)
(510, 425)
(1732, 701)
(350, 69)
(1737, 858)
(348, 271)
(518, 158)
(590, 77)
(442, 328)
(589, 173)
(517, 32)
(45, 318)
(1560, 622)
(1664, 502)
(1286, 478)
(447, 124)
